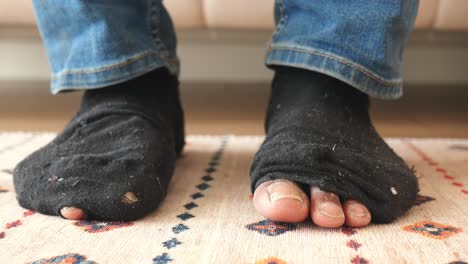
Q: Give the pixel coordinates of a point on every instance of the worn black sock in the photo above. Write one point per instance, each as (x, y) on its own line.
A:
(319, 133)
(115, 158)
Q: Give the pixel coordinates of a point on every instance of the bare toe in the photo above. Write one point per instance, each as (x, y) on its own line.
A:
(72, 213)
(326, 208)
(281, 200)
(357, 214)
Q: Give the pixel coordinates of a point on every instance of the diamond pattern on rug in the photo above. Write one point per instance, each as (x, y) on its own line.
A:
(210, 170)
(271, 260)
(171, 243)
(28, 213)
(13, 224)
(190, 206)
(185, 216)
(222, 231)
(359, 260)
(203, 186)
(174, 242)
(433, 229)
(65, 259)
(353, 244)
(271, 228)
(179, 228)
(207, 178)
(99, 227)
(197, 195)
(162, 259)
(348, 231)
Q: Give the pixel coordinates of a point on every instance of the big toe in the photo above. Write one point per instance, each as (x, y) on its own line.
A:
(281, 200)
(326, 210)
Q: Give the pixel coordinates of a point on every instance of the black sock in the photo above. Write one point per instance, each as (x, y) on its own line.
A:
(115, 158)
(319, 133)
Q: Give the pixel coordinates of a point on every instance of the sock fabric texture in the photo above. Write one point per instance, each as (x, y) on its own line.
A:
(319, 133)
(115, 159)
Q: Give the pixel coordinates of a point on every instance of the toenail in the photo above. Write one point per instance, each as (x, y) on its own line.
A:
(279, 191)
(331, 210)
(358, 211)
(72, 213)
(64, 209)
(129, 198)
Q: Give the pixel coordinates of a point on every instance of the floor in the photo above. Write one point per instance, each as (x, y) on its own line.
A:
(198, 222)
(239, 108)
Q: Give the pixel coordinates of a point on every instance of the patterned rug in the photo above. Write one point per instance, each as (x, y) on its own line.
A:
(208, 216)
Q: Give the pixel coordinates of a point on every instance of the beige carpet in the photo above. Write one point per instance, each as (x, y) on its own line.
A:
(208, 217)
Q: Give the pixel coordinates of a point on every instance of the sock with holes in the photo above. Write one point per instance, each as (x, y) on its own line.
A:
(114, 160)
(319, 133)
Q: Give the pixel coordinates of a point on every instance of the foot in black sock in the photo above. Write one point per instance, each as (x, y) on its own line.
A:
(321, 143)
(115, 158)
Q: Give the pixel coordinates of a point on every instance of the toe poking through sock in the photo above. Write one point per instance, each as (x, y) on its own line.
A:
(357, 214)
(72, 213)
(326, 209)
(129, 198)
(282, 201)
(358, 211)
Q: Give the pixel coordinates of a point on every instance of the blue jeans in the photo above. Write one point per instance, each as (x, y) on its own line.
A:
(95, 43)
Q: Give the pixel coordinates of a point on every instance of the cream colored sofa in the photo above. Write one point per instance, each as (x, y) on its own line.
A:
(446, 15)
(218, 31)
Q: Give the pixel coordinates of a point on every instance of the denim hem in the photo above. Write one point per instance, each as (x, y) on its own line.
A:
(83, 79)
(337, 67)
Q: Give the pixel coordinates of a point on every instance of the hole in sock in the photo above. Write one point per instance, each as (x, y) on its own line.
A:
(129, 198)
(322, 135)
(121, 137)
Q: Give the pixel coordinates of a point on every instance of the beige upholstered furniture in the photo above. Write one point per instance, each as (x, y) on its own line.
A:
(446, 15)
(237, 31)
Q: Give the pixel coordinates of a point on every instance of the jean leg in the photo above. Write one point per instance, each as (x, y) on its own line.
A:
(359, 42)
(97, 43)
